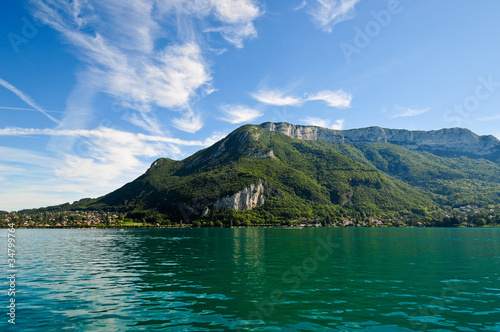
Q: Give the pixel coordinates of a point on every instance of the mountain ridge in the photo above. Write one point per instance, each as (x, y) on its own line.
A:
(451, 139)
(275, 173)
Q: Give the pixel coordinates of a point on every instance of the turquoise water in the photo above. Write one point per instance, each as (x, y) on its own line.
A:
(349, 279)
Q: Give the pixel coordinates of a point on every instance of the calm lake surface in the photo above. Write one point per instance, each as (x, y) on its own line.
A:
(348, 279)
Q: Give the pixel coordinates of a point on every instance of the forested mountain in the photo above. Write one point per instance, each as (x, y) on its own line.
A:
(277, 172)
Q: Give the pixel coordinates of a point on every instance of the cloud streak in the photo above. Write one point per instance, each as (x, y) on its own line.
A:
(103, 160)
(409, 112)
(327, 13)
(27, 99)
(490, 118)
(101, 133)
(276, 98)
(325, 123)
(235, 114)
(233, 18)
(26, 109)
(337, 99)
(119, 41)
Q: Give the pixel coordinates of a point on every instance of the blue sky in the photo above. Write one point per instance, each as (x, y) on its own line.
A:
(92, 92)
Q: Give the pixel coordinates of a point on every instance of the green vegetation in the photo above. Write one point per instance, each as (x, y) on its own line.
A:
(313, 182)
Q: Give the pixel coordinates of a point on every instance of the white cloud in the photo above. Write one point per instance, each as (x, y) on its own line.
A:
(235, 17)
(325, 123)
(101, 133)
(302, 5)
(338, 99)
(236, 35)
(339, 124)
(26, 109)
(23, 156)
(115, 154)
(173, 81)
(141, 30)
(408, 112)
(240, 14)
(276, 98)
(103, 159)
(10, 169)
(190, 122)
(236, 11)
(239, 114)
(119, 42)
(490, 118)
(26, 198)
(327, 13)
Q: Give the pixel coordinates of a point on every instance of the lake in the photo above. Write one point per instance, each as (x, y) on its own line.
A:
(331, 279)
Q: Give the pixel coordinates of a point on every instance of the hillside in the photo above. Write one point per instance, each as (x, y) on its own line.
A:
(275, 173)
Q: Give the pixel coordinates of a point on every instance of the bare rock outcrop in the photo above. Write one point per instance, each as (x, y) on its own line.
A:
(454, 140)
(249, 197)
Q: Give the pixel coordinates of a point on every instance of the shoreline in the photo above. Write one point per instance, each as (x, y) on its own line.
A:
(240, 227)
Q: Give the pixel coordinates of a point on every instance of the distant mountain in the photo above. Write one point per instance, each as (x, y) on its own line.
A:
(276, 172)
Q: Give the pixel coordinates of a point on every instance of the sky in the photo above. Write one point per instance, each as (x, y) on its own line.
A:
(92, 92)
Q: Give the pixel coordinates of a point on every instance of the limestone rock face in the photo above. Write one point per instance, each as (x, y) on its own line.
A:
(248, 198)
(456, 140)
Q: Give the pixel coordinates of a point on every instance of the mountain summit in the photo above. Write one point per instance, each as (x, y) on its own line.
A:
(277, 172)
(447, 141)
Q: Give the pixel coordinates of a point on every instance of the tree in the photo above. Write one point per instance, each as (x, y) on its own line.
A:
(480, 222)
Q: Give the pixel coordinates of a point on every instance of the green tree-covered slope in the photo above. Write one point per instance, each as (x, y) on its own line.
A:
(256, 175)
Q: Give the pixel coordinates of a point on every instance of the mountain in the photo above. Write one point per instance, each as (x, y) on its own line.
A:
(277, 172)
(447, 142)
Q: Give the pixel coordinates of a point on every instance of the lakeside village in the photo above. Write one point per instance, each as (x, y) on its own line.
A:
(465, 216)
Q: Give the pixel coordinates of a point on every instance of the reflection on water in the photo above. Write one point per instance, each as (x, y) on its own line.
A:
(257, 279)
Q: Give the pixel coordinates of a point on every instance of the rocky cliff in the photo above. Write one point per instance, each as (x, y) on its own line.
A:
(453, 140)
(249, 197)
(252, 196)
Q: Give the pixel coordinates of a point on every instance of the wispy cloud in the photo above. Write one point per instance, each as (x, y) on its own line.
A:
(302, 5)
(338, 99)
(16, 198)
(190, 122)
(26, 109)
(408, 112)
(239, 113)
(235, 17)
(327, 13)
(104, 154)
(325, 123)
(24, 156)
(276, 98)
(118, 41)
(100, 133)
(106, 158)
(27, 99)
(490, 118)
(238, 17)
